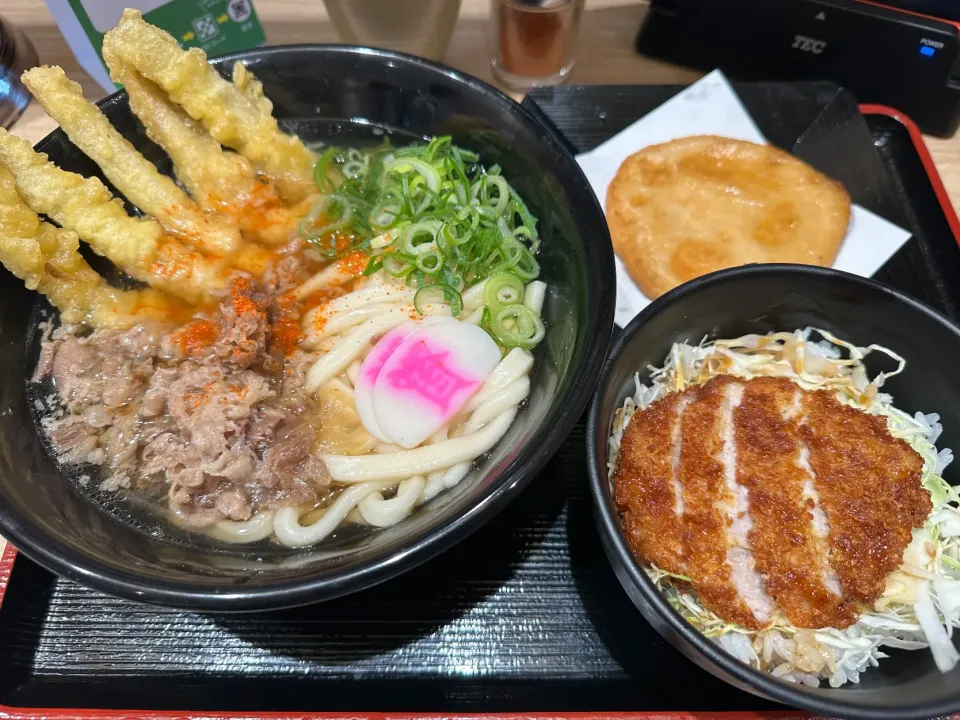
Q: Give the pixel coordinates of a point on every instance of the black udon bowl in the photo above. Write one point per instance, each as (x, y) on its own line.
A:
(761, 299)
(326, 93)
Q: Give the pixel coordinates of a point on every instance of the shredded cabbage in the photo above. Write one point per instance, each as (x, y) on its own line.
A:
(920, 605)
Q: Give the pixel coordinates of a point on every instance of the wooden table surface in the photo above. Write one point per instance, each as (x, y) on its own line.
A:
(606, 55)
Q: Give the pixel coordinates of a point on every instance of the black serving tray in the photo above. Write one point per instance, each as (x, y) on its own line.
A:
(524, 616)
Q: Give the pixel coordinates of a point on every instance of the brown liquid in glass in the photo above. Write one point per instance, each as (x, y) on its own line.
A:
(535, 41)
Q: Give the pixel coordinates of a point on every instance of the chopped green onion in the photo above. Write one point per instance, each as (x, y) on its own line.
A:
(436, 144)
(398, 265)
(323, 207)
(417, 278)
(450, 277)
(447, 293)
(505, 232)
(423, 169)
(354, 164)
(455, 232)
(516, 326)
(502, 258)
(430, 262)
(501, 290)
(527, 221)
(420, 237)
(320, 171)
(527, 266)
(431, 214)
(524, 233)
(498, 200)
(384, 239)
(385, 217)
(374, 264)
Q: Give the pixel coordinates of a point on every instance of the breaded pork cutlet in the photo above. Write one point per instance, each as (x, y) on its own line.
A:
(789, 535)
(653, 455)
(713, 528)
(869, 485)
(788, 499)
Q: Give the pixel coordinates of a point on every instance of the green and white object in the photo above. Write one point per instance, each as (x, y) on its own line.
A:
(216, 26)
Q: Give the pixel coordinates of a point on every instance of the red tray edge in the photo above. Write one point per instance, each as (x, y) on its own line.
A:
(10, 554)
(921, 147)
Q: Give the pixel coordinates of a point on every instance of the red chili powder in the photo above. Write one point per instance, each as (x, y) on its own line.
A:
(285, 330)
(242, 296)
(353, 263)
(194, 336)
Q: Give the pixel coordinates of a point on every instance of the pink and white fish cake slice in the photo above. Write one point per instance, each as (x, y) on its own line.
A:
(428, 379)
(370, 371)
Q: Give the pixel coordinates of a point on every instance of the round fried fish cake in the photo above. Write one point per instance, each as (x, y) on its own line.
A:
(699, 204)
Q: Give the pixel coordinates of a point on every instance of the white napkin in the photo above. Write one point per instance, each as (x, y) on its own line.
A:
(711, 107)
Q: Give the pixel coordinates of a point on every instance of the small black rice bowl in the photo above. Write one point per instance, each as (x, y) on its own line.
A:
(761, 299)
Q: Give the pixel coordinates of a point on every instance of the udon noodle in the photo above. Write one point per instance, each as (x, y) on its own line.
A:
(423, 473)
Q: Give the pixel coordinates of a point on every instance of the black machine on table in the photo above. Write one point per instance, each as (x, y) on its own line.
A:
(900, 53)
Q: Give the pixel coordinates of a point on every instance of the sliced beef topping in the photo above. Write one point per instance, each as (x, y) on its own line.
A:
(214, 409)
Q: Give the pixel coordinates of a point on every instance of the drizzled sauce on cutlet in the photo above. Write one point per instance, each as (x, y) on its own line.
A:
(804, 502)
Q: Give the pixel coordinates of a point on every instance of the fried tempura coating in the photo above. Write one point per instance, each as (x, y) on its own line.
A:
(209, 173)
(226, 112)
(137, 246)
(48, 260)
(220, 180)
(131, 173)
(252, 89)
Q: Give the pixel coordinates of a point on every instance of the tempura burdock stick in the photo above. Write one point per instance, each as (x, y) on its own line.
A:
(221, 181)
(226, 112)
(48, 260)
(210, 174)
(131, 173)
(137, 246)
(252, 89)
